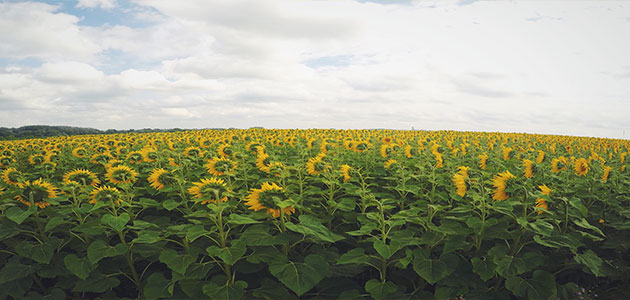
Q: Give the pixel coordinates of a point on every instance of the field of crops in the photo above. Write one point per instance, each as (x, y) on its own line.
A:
(314, 214)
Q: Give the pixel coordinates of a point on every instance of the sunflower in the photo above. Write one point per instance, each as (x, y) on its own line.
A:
(439, 162)
(607, 170)
(171, 162)
(79, 152)
(224, 150)
(11, 176)
(528, 164)
(459, 179)
(101, 158)
(541, 202)
(389, 163)
(36, 193)
(105, 194)
(506, 152)
(149, 154)
(36, 159)
(482, 160)
(81, 176)
(559, 164)
(580, 167)
(408, 153)
(121, 174)
(193, 152)
(315, 166)
(500, 183)
(360, 147)
(221, 166)
(387, 140)
(345, 171)
(265, 195)
(135, 157)
(541, 157)
(159, 178)
(5, 161)
(385, 150)
(209, 190)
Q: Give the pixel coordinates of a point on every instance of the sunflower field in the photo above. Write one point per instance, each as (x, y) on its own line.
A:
(314, 214)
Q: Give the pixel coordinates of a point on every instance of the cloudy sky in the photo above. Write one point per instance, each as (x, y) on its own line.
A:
(557, 67)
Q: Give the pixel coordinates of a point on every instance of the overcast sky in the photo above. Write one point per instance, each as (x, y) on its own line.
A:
(557, 67)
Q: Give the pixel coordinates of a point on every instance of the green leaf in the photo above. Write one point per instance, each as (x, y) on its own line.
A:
(80, 267)
(157, 286)
(557, 240)
(41, 253)
(541, 227)
(586, 225)
(117, 223)
(18, 215)
(8, 229)
(300, 277)
(483, 268)
(434, 270)
(593, 262)
(510, 265)
(386, 251)
(177, 262)
(257, 235)
(354, 256)
(100, 249)
(238, 219)
(170, 204)
(96, 283)
(13, 270)
(229, 255)
(542, 285)
(380, 290)
(222, 291)
(53, 222)
(456, 242)
(312, 227)
(194, 232)
(147, 237)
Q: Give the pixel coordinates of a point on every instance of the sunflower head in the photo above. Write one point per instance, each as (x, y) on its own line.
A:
(265, 198)
(209, 190)
(36, 159)
(135, 157)
(193, 152)
(390, 163)
(81, 176)
(529, 165)
(105, 194)
(225, 150)
(159, 178)
(316, 165)
(121, 174)
(345, 171)
(580, 166)
(606, 173)
(11, 176)
(37, 192)
(500, 182)
(101, 158)
(79, 152)
(221, 166)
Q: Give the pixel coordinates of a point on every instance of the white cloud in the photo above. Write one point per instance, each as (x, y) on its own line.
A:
(105, 4)
(471, 65)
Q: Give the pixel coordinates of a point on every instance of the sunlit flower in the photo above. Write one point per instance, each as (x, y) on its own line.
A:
(580, 167)
(528, 164)
(559, 164)
(105, 194)
(81, 176)
(345, 171)
(500, 183)
(607, 170)
(541, 156)
(209, 190)
(121, 174)
(389, 163)
(541, 202)
(159, 178)
(262, 198)
(315, 165)
(36, 192)
(482, 160)
(11, 176)
(221, 166)
(79, 152)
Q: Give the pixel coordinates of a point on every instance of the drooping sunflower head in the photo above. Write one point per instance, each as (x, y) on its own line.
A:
(225, 150)
(79, 152)
(105, 194)
(345, 171)
(101, 158)
(149, 154)
(5, 161)
(11, 176)
(159, 178)
(37, 192)
(209, 190)
(135, 157)
(544, 189)
(463, 170)
(316, 165)
(81, 176)
(221, 166)
(193, 152)
(36, 159)
(361, 146)
(500, 183)
(483, 158)
(460, 184)
(558, 164)
(528, 171)
(506, 152)
(265, 198)
(606, 173)
(121, 174)
(388, 164)
(580, 167)
(541, 157)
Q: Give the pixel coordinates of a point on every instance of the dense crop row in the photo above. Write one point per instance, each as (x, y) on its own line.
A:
(313, 214)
